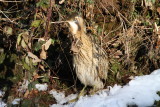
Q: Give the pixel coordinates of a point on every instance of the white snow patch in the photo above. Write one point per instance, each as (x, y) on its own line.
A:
(16, 101)
(24, 86)
(41, 87)
(2, 104)
(60, 97)
(141, 91)
(1, 93)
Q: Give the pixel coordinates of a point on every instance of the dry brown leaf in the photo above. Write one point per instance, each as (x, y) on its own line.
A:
(25, 36)
(43, 54)
(41, 39)
(47, 44)
(42, 67)
(36, 60)
(7, 30)
(29, 45)
(148, 3)
(118, 53)
(26, 94)
(61, 1)
(36, 76)
(23, 44)
(158, 42)
(30, 54)
(27, 60)
(34, 57)
(131, 77)
(158, 10)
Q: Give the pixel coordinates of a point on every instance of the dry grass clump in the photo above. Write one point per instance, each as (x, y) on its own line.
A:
(33, 48)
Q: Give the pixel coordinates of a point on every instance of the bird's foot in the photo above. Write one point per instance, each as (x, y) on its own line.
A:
(93, 91)
(73, 100)
(82, 93)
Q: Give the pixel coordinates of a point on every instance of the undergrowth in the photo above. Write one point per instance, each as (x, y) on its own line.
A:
(34, 49)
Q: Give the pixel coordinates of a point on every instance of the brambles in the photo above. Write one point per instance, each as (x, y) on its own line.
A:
(34, 49)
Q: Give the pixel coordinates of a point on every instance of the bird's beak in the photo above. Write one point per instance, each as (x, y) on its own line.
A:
(71, 21)
(60, 22)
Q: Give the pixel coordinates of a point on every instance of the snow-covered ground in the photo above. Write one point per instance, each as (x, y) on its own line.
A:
(141, 91)
(41, 87)
(2, 104)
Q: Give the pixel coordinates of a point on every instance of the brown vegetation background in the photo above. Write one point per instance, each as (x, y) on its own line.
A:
(35, 47)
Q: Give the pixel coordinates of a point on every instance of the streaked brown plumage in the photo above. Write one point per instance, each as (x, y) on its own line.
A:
(89, 59)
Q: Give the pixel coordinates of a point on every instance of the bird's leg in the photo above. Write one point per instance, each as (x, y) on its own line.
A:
(93, 91)
(79, 95)
(82, 92)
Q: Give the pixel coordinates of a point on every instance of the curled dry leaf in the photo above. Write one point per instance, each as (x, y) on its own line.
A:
(158, 42)
(23, 44)
(23, 40)
(36, 76)
(155, 27)
(7, 30)
(34, 57)
(36, 23)
(42, 67)
(43, 54)
(41, 39)
(47, 44)
(117, 54)
(61, 1)
(157, 31)
(26, 36)
(149, 3)
(19, 39)
(131, 77)
(29, 45)
(27, 60)
(158, 10)
(26, 94)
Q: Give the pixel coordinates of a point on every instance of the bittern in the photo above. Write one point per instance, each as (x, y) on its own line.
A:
(89, 59)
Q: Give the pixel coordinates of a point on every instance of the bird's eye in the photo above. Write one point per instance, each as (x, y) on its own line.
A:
(76, 19)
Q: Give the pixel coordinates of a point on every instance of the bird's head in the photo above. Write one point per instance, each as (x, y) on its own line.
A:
(76, 24)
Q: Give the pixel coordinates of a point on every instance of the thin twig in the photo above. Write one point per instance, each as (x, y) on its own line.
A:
(11, 1)
(48, 20)
(6, 16)
(12, 21)
(59, 22)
